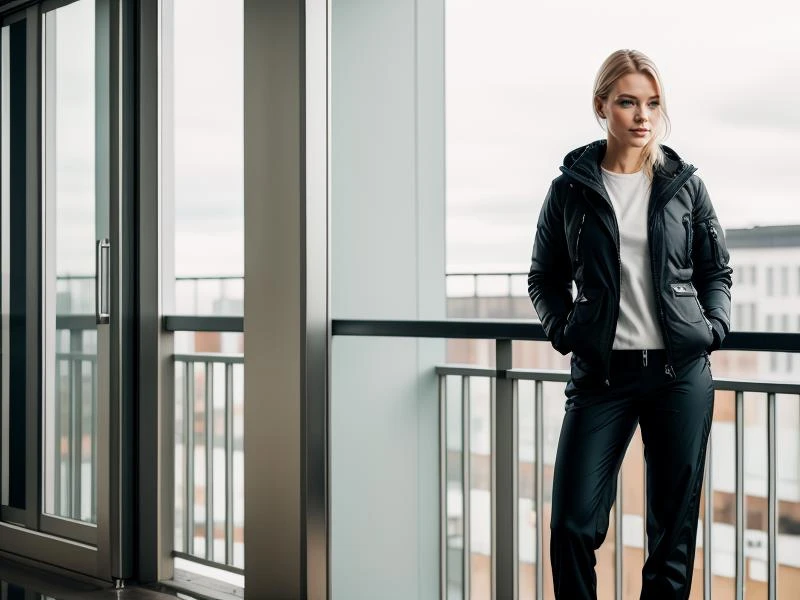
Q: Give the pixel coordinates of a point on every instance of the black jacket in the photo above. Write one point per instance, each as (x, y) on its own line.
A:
(577, 238)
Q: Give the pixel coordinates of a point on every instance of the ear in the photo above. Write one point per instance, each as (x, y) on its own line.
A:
(598, 107)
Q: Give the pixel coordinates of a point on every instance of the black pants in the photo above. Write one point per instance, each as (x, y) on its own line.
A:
(675, 418)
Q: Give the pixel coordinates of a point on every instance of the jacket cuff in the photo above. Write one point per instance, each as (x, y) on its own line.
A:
(718, 333)
(559, 341)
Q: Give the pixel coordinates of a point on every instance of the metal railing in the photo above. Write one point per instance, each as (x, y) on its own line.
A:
(505, 433)
(74, 422)
(504, 486)
(198, 533)
(209, 447)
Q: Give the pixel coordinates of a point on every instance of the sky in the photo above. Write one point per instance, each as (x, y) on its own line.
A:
(518, 77)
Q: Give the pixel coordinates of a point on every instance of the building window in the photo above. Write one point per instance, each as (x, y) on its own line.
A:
(769, 323)
(785, 281)
(769, 281)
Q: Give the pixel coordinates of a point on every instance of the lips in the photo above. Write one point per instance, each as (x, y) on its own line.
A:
(640, 130)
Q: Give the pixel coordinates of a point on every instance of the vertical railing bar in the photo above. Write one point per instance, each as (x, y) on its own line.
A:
(189, 442)
(93, 429)
(708, 519)
(538, 407)
(75, 404)
(772, 498)
(740, 495)
(70, 430)
(645, 549)
(59, 505)
(442, 487)
(493, 566)
(466, 484)
(78, 442)
(229, 464)
(618, 549)
(209, 451)
(504, 496)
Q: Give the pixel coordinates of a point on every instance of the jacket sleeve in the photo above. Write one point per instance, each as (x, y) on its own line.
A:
(550, 275)
(712, 274)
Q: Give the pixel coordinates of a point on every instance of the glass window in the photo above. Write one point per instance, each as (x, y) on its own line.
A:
(202, 106)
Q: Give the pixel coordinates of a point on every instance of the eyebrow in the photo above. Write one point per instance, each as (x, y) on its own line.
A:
(634, 97)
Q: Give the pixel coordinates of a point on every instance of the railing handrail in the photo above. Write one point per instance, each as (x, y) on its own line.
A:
(489, 329)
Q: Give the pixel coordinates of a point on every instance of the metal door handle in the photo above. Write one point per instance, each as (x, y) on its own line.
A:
(101, 282)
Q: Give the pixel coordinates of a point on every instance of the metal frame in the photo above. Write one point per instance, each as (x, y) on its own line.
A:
(286, 181)
(44, 536)
(156, 413)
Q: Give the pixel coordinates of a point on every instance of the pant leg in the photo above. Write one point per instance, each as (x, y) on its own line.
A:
(675, 424)
(594, 436)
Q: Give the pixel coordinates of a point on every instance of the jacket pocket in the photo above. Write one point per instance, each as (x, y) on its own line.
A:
(718, 251)
(687, 225)
(687, 303)
(586, 330)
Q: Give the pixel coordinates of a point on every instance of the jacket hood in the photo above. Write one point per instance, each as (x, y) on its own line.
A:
(585, 161)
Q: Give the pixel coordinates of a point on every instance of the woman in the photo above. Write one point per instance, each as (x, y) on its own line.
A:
(630, 222)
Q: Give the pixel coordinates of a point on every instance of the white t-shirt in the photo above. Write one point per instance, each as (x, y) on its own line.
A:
(637, 326)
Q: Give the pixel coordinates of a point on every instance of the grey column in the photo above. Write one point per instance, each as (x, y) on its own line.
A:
(156, 280)
(286, 324)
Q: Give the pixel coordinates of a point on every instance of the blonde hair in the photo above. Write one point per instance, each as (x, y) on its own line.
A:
(621, 63)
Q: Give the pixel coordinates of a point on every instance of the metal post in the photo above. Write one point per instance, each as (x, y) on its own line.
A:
(76, 414)
(772, 499)
(229, 464)
(465, 485)
(708, 520)
(188, 418)
(538, 408)
(618, 549)
(209, 452)
(740, 495)
(505, 496)
(442, 487)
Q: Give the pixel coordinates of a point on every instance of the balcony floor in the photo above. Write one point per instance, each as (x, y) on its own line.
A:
(23, 581)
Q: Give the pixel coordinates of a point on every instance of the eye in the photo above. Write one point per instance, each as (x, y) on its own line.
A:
(625, 102)
(655, 103)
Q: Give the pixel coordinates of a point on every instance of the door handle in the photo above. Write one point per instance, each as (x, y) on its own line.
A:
(101, 282)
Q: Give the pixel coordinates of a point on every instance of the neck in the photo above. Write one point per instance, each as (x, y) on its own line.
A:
(620, 158)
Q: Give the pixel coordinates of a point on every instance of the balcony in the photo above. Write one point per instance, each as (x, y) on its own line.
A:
(498, 428)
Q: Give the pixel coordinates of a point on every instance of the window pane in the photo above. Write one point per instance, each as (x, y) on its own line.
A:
(203, 151)
(13, 253)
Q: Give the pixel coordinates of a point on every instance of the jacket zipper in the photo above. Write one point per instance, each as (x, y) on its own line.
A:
(715, 244)
(578, 240)
(668, 369)
(612, 328)
(688, 226)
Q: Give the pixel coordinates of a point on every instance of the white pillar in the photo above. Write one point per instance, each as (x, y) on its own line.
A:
(388, 262)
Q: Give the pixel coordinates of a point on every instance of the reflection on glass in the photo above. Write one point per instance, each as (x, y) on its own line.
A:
(13, 301)
(70, 231)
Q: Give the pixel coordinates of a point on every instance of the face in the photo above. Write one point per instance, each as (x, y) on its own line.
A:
(632, 110)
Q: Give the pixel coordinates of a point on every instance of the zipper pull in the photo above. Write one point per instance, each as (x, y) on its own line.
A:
(668, 371)
(578, 239)
(644, 357)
